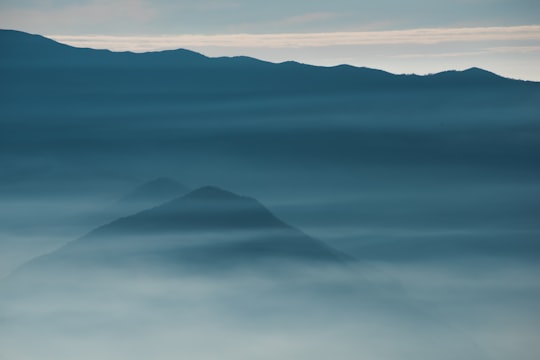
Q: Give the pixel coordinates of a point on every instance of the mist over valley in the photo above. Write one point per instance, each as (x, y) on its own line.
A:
(172, 205)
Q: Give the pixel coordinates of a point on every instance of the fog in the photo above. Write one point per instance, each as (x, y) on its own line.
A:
(410, 292)
(370, 310)
(355, 214)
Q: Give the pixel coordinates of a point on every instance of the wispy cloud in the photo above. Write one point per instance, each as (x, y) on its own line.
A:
(424, 36)
(309, 18)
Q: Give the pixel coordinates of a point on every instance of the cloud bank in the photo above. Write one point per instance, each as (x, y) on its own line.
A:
(300, 40)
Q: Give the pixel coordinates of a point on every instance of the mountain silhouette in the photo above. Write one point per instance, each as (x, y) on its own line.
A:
(21, 50)
(207, 229)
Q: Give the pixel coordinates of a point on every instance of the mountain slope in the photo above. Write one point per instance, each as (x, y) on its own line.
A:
(207, 229)
(22, 49)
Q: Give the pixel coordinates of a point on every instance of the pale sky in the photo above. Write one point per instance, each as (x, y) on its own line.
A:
(416, 36)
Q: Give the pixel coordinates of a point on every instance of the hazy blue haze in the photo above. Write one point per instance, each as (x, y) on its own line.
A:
(431, 183)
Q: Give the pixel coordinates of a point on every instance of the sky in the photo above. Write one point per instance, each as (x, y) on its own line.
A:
(418, 36)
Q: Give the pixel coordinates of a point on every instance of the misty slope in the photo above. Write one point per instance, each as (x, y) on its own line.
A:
(207, 229)
(77, 287)
(207, 232)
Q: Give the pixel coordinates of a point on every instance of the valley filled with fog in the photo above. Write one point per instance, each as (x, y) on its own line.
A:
(168, 205)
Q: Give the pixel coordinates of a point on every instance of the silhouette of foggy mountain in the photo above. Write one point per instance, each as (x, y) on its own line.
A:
(207, 229)
(81, 277)
(206, 208)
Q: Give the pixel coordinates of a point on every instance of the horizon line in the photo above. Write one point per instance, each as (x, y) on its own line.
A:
(510, 51)
(420, 51)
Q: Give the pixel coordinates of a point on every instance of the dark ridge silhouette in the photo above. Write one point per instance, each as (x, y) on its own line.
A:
(479, 72)
(208, 229)
(474, 74)
(20, 49)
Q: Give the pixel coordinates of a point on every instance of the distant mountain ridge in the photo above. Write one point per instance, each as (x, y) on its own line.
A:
(23, 49)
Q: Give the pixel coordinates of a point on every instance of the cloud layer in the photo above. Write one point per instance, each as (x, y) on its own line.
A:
(301, 40)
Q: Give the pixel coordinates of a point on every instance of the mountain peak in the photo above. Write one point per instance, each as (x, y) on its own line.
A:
(476, 71)
(209, 228)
